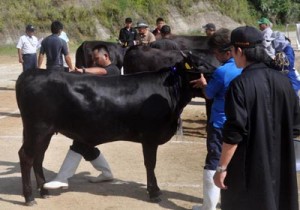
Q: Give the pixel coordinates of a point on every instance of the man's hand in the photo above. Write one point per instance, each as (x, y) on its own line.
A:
(219, 178)
(199, 83)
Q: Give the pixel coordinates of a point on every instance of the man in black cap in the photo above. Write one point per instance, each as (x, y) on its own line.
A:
(165, 43)
(209, 28)
(27, 47)
(257, 165)
(127, 34)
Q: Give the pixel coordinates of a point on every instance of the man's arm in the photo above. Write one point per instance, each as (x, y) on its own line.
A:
(69, 61)
(40, 60)
(20, 55)
(92, 70)
(200, 83)
(228, 151)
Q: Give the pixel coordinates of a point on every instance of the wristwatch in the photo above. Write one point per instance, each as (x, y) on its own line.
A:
(221, 169)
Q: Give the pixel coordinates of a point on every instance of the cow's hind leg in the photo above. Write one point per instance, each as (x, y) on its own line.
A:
(150, 152)
(26, 162)
(38, 164)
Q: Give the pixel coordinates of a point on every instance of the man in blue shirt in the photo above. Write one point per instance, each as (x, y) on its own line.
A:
(216, 89)
(55, 48)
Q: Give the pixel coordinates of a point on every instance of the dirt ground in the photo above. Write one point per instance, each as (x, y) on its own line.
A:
(179, 163)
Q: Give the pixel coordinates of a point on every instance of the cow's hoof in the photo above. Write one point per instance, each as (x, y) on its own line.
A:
(44, 193)
(30, 203)
(154, 197)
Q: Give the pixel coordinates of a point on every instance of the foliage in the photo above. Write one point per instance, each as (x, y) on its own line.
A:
(239, 10)
(278, 11)
(82, 17)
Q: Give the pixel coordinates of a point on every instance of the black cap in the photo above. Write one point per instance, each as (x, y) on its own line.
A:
(30, 28)
(128, 20)
(246, 37)
(209, 26)
(165, 29)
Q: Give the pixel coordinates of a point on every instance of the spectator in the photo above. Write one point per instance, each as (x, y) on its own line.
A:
(209, 28)
(159, 24)
(127, 34)
(27, 47)
(77, 150)
(216, 89)
(55, 48)
(285, 51)
(144, 36)
(257, 164)
(265, 27)
(63, 35)
(165, 43)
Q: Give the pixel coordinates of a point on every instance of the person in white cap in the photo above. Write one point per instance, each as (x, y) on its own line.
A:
(144, 36)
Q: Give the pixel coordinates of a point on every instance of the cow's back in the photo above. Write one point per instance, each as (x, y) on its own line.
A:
(98, 109)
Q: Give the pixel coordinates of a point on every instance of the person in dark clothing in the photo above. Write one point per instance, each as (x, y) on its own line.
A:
(159, 24)
(165, 43)
(77, 149)
(257, 165)
(55, 48)
(127, 34)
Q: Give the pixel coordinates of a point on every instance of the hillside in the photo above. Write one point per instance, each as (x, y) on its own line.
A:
(102, 19)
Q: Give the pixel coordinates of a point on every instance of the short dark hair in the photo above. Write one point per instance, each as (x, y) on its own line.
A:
(56, 26)
(159, 20)
(220, 40)
(165, 29)
(128, 20)
(102, 49)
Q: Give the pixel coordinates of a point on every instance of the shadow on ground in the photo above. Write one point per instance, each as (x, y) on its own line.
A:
(12, 185)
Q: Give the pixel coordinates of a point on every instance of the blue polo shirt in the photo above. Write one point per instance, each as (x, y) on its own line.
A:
(54, 48)
(216, 89)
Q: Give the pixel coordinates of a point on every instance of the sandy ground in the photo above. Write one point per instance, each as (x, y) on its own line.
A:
(179, 163)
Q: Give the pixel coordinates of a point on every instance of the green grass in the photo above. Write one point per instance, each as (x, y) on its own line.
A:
(8, 50)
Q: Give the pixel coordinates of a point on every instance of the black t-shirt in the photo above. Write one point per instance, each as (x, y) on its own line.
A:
(54, 48)
(112, 70)
(127, 35)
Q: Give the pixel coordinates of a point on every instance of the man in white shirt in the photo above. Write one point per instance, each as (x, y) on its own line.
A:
(63, 35)
(27, 47)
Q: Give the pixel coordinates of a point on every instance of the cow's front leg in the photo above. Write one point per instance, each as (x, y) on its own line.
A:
(26, 165)
(150, 152)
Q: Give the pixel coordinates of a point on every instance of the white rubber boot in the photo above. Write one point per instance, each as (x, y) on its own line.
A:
(211, 193)
(101, 165)
(67, 170)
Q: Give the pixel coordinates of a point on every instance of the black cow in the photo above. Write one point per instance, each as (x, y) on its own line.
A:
(84, 58)
(197, 44)
(191, 42)
(145, 58)
(142, 107)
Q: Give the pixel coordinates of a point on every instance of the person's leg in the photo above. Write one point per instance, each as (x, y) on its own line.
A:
(30, 61)
(67, 170)
(72, 160)
(98, 161)
(211, 193)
